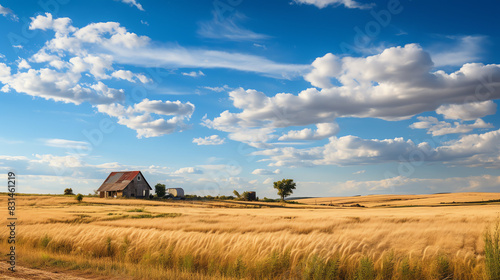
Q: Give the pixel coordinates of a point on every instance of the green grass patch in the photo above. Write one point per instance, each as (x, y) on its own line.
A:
(137, 210)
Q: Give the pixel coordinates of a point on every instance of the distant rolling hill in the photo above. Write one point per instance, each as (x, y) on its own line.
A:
(441, 199)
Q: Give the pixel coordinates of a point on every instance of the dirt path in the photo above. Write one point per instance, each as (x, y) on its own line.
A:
(23, 273)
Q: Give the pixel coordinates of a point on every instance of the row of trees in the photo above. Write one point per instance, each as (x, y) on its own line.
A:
(285, 188)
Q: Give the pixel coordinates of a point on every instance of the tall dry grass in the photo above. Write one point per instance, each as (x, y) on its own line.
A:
(155, 241)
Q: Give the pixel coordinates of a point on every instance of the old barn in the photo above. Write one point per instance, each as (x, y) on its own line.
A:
(125, 184)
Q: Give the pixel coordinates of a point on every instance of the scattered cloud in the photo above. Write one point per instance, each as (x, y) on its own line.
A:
(467, 111)
(324, 130)
(133, 3)
(167, 108)
(138, 117)
(473, 150)
(130, 76)
(438, 128)
(188, 170)
(359, 172)
(6, 12)
(67, 144)
(401, 184)
(457, 51)
(23, 64)
(218, 89)
(209, 140)
(68, 58)
(351, 4)
(228, 28)
(180, 57)
(56, 171)
(324, 69)
(268, 181)
(51, 84)
(396, 84)
(194, 74)
(468, 150)
(266, 172)
(129, 48)
(259, 46)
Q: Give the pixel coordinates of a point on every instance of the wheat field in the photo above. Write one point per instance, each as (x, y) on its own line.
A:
(442, 238)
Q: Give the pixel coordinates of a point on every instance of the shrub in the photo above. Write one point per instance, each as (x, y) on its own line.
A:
(79, 197)
(68, 191)
(492, 252)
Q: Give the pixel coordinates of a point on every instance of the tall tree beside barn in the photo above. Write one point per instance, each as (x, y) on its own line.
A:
(285, 187)
(160, 190)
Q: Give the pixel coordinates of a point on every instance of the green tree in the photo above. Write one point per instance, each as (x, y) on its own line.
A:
(245, 196)
(68, 191)
(79, 197)
(160, 190)
(236, 193)
(285, 187)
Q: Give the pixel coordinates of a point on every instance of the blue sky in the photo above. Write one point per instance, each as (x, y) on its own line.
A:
(345, 97)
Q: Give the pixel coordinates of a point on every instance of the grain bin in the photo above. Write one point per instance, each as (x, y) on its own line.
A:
(176, 192)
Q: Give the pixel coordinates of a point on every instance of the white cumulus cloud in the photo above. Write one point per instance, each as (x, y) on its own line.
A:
(467, 111)
(209, 140)
(138, 117)
(396, 84)
(266, 172)
(438, 128)
(188, 170)
(469, 150)
(324, 130)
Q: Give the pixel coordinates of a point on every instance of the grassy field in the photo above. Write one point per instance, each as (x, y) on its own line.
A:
(374, 237)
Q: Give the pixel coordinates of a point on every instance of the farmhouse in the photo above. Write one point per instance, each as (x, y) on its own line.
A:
(125, 184)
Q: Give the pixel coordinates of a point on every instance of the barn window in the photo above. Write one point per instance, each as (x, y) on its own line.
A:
(138, 177)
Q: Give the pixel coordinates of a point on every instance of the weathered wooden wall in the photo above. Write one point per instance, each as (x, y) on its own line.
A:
(136, 188)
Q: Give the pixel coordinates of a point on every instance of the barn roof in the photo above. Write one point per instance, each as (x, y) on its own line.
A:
(118, 181)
